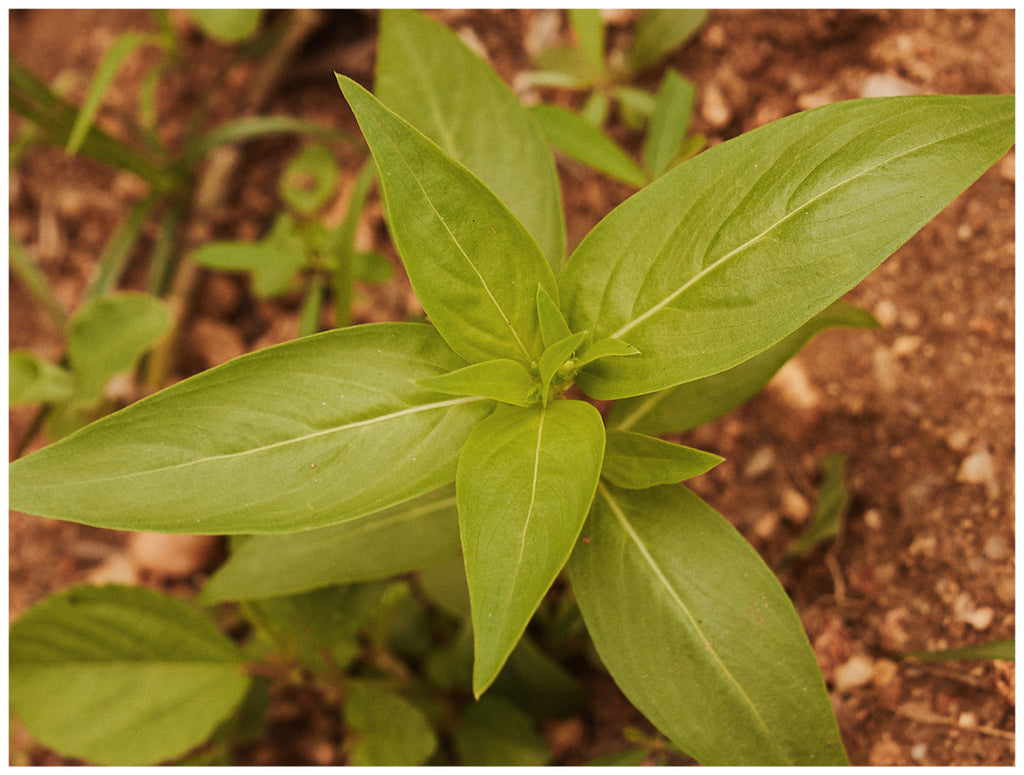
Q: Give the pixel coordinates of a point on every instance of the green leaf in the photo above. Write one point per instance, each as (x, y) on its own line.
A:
(573, 136)
(634, 461)
(525, 481)
(120, 675)
(495, 733)
(553, 327)
(669, 123)
(427, 75)
(273, 262)
(660, 31)
(630, 757)
(371, 268)
(406, 537)
(300, 435)
(228, 25)
(242, 129)
(107, 335)
(764, 231)
(503, 380)
(391, 731)
(317, 628)
(538, 684)
(589, 29)
(996, 649)
(558, 357)
(636, 106)
(605, 348)
(32, 380)
(309, 180)
(694, 403)
(828, 515)
(473, 266)
(698, 633)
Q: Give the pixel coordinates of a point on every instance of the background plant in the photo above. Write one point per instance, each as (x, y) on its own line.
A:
(553, 326)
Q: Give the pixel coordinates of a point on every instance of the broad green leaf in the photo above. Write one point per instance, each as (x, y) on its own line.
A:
(996, 649)
(32, 380)
(503, 380)
(300, 435)
(495, 733)
(734, 249)
(309, 180)
(553, 327)
(120, 675)
(406, 537)
(389, 730)
(427, 75)
(660, 31)
(559, 358)
(828, 514)
(589, 29)
(317, 628)
(698, 633)
(473, 266)
(525, 481)
(573, 136)
(228, 25)
(669, 123)
(694, 403)
(634, 461)
(107, 335)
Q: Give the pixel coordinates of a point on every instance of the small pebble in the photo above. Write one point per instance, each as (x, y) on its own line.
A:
(853, 673)
(793, 386)
(995, 548)
(172, 556)
(979, 468)
(795, 507)
(760, 463)
(967, 720)
(918, 752)
(958, 440)
(886, 313)
(885, 371)
(886, 85)
(905, 345)
(873, 518)
(116, 569)
(714, 108)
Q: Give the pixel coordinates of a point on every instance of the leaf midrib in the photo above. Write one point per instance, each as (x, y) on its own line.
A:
(656, 308)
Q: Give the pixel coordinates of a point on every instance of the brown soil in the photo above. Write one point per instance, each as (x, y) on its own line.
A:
(924, 408)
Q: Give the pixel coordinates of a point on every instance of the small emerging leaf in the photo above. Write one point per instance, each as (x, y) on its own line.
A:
(228, 25)
(634, 461)
(669, 123)
(996, 649)
(525, 481)
(660, 31)
(309, 180)
(589, 29)
(389, 730)
(32, 380)
(553, 327)
(503, 380)
(558, 356)
(828, 515)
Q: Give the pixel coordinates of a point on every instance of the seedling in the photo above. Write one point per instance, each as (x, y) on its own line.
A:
(341, 448)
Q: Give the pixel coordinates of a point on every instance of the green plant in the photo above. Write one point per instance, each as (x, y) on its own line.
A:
(609, 80)
(341, 448)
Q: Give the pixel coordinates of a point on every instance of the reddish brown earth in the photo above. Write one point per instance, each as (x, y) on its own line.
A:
(924, 409)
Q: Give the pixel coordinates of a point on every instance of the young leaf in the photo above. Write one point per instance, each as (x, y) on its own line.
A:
(495, 733)
(573, 136)
(273, 262)
(304, 434)
(669, 123)
(828, 515)
(698, 633)
(556, 356)
(553, 327)
(32, 380)
(389, 730)
(525, 481)
(589, 29)
(309, 180)
(698, 402)
(660, 31)
(228, 25)
(120, 675)
(108, 334)
(605, 348)
(427, 75)
(406, 537)
(473, 266)
(502, 380)
(729, 252)
(634, 461)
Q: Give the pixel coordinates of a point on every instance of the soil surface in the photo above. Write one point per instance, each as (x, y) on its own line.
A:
(923, 408)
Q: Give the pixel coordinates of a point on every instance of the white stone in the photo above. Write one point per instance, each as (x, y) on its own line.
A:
(854, 672)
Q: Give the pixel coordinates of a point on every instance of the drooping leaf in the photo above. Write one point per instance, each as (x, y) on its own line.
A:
(228, 25)
(503, 380)
(33, 380)
(661, 30)
(669, 123)
(828, 514)
(108, 334)
(390, 730)
(698, 633)
(495, 733)
(734, 249)
(634, 461)
(575, 137)
(120, 675)
(309, 180)
(473, 266)
(304, 434)
(406, 537)
(692, 404)
(525, 481)
(430, 78)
